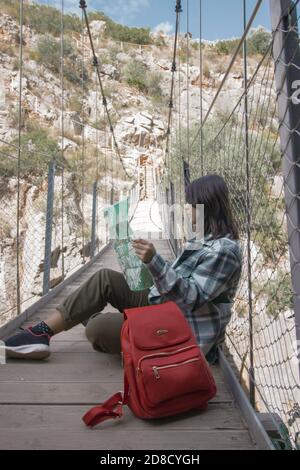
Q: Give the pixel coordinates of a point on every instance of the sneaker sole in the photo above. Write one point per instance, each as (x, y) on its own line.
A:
(36, 351)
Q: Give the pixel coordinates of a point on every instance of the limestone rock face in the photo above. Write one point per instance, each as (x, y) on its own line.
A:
(97, 27)
(9, 31)
(136, 128)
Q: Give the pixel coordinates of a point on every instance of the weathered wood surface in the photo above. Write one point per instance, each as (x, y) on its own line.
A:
(42, 402)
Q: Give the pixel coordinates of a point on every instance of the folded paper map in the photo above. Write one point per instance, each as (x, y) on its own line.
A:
(137, 275)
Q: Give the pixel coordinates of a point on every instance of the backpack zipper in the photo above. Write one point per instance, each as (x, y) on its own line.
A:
(156, 369)
(163, 354)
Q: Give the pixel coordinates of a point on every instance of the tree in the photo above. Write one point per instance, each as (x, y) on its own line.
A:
(259, 41)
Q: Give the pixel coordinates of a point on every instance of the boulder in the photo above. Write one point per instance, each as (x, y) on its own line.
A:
(97, 27)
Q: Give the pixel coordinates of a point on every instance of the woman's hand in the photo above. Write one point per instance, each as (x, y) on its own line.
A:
(144, 250)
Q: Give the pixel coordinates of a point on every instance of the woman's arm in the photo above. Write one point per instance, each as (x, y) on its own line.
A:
(209, 279)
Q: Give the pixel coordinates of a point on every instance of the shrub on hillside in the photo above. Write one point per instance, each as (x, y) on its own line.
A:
(37, 151)
(226, 47)
(47, 20)
(119, 32)
(259, 41)
(137, 75)
(42, 18)
(49, 54)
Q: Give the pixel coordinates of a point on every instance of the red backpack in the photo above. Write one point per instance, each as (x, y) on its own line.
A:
(165, 371)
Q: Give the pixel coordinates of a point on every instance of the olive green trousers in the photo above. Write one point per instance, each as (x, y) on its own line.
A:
(85, 306)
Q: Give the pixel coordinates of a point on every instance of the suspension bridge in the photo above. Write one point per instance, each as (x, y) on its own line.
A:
(256, 147)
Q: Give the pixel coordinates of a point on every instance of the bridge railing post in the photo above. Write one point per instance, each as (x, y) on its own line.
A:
(93, 224)
(286, 54)
(48, 230)
(173, 232)
(248, 216)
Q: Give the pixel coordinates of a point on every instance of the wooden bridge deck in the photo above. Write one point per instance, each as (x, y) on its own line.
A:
(41, 403)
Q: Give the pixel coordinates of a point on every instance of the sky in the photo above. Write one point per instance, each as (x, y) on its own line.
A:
(221, 19)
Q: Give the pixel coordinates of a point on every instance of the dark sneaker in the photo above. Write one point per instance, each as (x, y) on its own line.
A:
(27, 345)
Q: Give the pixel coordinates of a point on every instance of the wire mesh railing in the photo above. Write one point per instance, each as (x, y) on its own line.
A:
(55, 178)
(58, 165)
(250, 137)
(69, 221)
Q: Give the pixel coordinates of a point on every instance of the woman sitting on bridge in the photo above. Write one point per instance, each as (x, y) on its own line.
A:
(202, 281)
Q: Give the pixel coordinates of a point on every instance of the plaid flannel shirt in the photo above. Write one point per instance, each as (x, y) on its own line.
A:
(202, 281)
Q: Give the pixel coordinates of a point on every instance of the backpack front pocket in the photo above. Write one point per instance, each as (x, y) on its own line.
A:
(173, 375)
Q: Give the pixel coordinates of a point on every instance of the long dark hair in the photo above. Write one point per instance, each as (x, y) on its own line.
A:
(212, 192)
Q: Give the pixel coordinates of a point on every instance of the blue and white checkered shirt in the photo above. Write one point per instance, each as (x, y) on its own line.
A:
(202, 281)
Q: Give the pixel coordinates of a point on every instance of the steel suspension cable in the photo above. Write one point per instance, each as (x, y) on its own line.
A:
(62, 135)
(201, 87)
(83, 143)
(241, 42)
(188, 78)
(83, 6)
(178, 11)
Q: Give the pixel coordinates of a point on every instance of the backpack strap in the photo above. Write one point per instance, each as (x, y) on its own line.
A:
(111, 409)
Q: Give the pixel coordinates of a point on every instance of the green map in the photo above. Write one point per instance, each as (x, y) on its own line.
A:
(137, 275)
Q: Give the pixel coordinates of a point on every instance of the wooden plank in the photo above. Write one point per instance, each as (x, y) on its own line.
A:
(89, 359)
(90, 367)
(49, 372)
(85, 391)
(54, 417)
(116, 437)
(106, 367)
(71, 346)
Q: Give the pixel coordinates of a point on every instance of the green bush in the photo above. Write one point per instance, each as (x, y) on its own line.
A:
(279, 294)
(37, 151)
(42, 18)
(259, 41)
(154, 88)
(75, 104)
(226, 47)
(49, 54)
(123, 33)
(267, 225)
(137, 75)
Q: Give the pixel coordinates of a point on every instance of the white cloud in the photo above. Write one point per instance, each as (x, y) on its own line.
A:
(166, 27)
